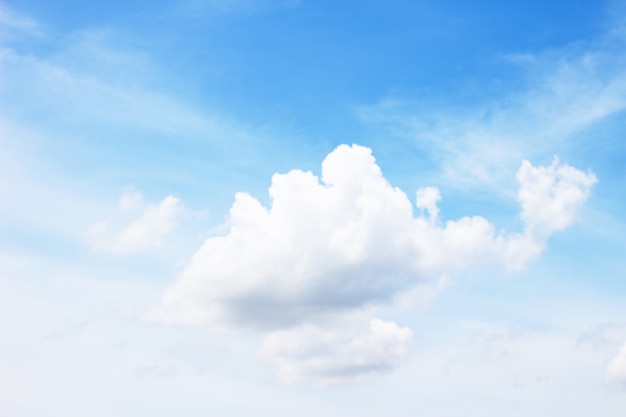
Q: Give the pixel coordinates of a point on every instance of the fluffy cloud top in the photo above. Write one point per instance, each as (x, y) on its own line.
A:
(616, 370)
(146, 232)
(323, 357)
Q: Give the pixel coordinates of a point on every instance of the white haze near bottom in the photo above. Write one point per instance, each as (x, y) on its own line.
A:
(616, 370)
(305, 269)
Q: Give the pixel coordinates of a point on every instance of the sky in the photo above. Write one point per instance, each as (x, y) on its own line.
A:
(285, 207)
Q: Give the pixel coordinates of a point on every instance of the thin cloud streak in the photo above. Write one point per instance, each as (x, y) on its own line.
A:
(568, 91)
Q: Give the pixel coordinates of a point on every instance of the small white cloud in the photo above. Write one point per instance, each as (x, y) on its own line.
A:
(550, 198)
(616, 370)
(352, 240)
(146, 232)
(318, 356)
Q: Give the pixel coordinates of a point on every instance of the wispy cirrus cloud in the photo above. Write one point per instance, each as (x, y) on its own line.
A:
(83, 99)
(13, 24)
(92, 87)
(563, 92)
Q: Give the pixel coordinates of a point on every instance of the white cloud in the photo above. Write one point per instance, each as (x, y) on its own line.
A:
(328, 250)
(323, 357)
(349, 241)
(616, 370)
(550, 198)
(146, 232)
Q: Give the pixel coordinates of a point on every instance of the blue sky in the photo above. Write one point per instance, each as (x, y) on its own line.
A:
(312, 208)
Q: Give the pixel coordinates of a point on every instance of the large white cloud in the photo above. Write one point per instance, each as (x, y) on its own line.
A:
(351, 240)
(327, 248)
(322, 357)
(616, 370)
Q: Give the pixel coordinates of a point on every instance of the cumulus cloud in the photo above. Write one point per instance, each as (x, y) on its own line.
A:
(323, 357)
(329, 247)
(148, 231)
(349, 240)
(616, 370)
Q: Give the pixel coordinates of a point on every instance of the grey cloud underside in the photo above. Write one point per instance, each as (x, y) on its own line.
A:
(338, 291)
